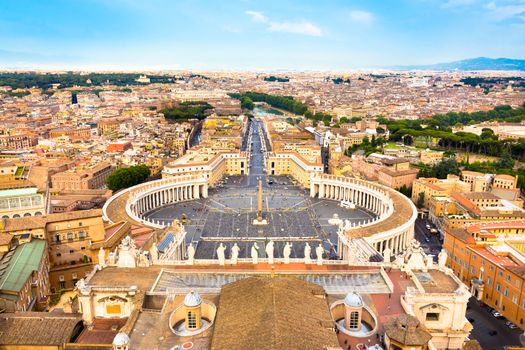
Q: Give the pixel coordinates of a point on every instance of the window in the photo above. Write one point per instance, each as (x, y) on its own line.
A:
(70, 236)
(81, 234)
(508, 278)
(506, 292)
(192, 320)
(498, 287)
(488, 280)
(432, 316)
(62, 284)
(354, 320)
(515, 299)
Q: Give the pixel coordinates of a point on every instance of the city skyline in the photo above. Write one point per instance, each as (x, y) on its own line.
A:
(255, 35)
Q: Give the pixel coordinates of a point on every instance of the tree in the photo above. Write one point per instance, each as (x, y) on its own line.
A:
(420, 200)
(127, 177)
(445, 167)
(406, 191)
(247, 103)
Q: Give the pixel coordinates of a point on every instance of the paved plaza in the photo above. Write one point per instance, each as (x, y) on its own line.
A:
(227, 215)
(333, 283)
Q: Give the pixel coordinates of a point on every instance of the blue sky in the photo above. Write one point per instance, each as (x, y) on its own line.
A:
(249, 34)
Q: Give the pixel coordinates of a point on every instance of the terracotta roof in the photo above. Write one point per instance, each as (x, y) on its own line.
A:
(273, 313)
(38, 328)
(407, 330)
(480, 195)
(5, 238)
(33, 222)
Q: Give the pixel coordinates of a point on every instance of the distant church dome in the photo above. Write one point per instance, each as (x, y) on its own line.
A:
(192, 299)
(353, 300)
(121, 339)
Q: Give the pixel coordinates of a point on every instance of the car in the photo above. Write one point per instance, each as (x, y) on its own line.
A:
(493, 333)
(427, 226)
(471, 320)
(496, 314)
(510, 325)
(427, 240)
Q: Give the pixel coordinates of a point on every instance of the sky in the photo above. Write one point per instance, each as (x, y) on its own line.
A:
(255, 35)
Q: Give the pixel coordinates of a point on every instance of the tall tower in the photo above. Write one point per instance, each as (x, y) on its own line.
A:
(259, 220)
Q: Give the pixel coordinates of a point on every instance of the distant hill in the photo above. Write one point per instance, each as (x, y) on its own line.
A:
(480, 63)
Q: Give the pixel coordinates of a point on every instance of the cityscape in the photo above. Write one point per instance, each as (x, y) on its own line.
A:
(262, 175)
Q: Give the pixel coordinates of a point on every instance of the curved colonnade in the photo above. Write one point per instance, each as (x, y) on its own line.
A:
(154, 194)
(393, 227)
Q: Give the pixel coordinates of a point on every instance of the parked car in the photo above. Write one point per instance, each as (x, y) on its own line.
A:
(510, 325)
(493, 333)
(496, 314)
(471, 320)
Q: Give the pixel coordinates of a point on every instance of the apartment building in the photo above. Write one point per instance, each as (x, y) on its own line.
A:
(70, 238)
(489, 258)
(93, 177)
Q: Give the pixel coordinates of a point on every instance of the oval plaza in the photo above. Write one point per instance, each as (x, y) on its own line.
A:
(242, 199)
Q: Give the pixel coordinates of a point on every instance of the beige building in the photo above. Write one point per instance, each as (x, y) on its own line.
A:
(73, 239)
(431, 187)
(295, 165)
(213, 166)
(82, 179)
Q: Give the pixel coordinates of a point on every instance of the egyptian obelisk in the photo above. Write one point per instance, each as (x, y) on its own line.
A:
(259, 220)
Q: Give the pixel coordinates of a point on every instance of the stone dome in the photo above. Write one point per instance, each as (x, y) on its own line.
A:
(353, 300)
(121, 339)
(192, 299)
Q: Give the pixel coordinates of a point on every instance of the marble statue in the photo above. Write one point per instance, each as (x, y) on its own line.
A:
(286, 252)
(143, 260)
(387, 254)
(319, 252)
(307, 254)
(442, 258)
(255, 253)
(234, 253)
(220, 254)
(269, 251)
(191, 253)
(112, 259)
(102, 257)
(127, 256)
(154, 252)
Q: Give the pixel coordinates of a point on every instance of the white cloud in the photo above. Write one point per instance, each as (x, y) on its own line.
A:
(302, 27)
(363, 17)
(500, 11)
(305, 28)
(257, 16)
